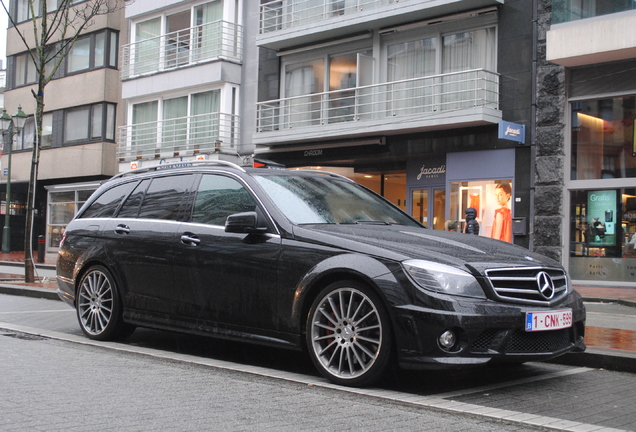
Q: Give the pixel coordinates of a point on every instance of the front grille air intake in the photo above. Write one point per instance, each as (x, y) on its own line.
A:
(528, 285)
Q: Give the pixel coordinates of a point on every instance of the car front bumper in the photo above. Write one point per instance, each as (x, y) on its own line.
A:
(486, 332)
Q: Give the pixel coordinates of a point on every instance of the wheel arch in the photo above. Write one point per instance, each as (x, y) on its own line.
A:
(373, 273)
(84, 266)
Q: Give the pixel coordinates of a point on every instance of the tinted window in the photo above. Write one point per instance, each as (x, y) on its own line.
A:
(106, 204)
(164, 196)
(218, 197)
(131, 205)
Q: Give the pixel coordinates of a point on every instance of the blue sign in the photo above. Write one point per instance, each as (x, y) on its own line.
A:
(5, 172)
(512, 131)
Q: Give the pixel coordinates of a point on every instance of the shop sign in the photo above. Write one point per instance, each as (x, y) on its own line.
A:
(429, 170)
(512, 131)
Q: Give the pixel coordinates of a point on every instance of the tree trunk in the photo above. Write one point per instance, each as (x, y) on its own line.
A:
(29, 266)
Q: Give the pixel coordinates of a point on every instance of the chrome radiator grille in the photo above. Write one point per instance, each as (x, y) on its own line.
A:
(529, 285)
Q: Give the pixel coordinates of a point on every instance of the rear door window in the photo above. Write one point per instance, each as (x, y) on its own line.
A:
(164, 196)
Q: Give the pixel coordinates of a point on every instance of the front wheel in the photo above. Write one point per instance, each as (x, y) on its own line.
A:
(348, 334)
(99, 308)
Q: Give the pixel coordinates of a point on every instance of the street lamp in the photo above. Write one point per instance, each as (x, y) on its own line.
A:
(8, 124)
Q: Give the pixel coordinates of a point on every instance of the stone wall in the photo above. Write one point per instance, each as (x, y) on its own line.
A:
(550, 146)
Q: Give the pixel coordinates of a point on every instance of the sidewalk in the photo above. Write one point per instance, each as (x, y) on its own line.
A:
(610, 333)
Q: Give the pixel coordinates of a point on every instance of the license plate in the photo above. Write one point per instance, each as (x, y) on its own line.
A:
(552, 320)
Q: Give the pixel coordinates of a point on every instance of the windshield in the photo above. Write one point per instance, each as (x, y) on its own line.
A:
(323, 199)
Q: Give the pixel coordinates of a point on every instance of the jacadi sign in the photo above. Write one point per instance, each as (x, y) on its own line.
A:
(512, 131)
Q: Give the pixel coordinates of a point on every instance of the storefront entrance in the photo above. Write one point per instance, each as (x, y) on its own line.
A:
(428, 206)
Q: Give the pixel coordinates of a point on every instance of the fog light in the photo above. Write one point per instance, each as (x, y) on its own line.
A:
(447, 339)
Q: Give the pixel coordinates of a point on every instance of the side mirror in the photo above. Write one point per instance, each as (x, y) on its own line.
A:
(244, 223)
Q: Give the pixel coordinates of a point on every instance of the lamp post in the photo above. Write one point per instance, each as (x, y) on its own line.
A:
(8, 124)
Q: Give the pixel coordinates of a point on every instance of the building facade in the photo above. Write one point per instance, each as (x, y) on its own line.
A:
(586, 151)
(406, 98)
(82, 108)
(182, 82)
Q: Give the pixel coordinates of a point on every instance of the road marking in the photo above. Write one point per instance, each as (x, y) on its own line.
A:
(438, 401)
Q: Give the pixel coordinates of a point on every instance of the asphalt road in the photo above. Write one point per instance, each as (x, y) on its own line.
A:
(53, 378)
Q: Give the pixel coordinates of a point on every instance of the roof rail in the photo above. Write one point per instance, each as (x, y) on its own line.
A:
(179, 165)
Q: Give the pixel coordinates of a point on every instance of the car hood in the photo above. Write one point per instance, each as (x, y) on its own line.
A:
(400, 243)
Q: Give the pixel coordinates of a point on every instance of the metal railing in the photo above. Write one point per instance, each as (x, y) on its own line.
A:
(215, 40)
(282, 14)
(203, 133)
(417, 96)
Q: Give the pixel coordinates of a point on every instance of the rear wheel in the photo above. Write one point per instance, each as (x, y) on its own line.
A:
(99, 308)
(348, 334)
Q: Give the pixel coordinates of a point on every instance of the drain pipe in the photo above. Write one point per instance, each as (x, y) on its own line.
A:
(533, 119)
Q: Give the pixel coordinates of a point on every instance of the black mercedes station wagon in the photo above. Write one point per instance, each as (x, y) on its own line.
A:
(307, 260)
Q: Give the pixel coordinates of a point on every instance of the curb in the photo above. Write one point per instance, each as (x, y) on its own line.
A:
(596, 358)
(21, 290)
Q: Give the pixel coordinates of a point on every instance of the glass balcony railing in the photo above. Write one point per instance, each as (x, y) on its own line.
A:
(572, 10)
(283, 14)
(388, 101)
(184, 136)
(215, 40)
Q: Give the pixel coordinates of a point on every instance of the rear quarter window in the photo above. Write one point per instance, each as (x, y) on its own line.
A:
(107, 203)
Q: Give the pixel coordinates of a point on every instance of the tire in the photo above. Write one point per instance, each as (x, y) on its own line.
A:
(349, 335)
(99, 307)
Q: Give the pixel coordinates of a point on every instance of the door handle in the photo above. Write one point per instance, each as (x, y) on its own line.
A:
(190, 239)
(122, 229)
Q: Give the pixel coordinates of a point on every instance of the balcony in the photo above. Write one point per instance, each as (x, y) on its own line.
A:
(602, 39)
(572, 10)
(185, 136)
(218, 40)
(459, 99)
(287, 23)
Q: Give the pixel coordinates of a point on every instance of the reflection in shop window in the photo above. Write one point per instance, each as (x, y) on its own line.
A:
(603, 139)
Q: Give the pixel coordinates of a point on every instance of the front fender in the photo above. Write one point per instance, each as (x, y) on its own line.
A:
(379, 275)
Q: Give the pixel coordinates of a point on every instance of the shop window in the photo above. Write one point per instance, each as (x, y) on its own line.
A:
(603, 139)
(603, 234)
(492, 201)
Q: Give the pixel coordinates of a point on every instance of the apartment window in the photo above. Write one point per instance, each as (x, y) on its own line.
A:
(93, 51)
(89, 123)
(23, 11)
(171, 123)
(25, 139)
(25, 72)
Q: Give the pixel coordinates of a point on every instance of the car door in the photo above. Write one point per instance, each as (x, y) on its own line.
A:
(233, 276)
(140, 242)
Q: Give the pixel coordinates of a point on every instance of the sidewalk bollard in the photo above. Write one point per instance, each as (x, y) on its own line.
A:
(41, 252)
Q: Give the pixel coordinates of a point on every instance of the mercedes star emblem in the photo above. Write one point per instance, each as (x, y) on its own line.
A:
(545, 285)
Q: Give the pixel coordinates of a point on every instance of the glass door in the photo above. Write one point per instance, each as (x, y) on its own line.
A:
(428, 206)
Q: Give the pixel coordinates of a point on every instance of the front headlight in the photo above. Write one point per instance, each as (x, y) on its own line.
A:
(443, 279)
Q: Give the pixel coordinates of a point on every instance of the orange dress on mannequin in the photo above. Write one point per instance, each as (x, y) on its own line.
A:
(502, 225)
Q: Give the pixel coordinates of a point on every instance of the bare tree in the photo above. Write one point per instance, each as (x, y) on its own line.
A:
(53, 35)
